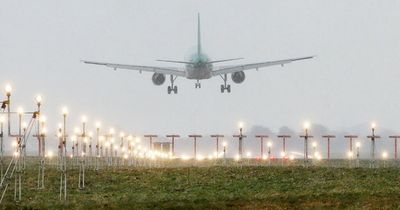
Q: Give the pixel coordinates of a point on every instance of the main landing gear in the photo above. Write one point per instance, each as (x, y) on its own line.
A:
(225, 86)
(198, 84)
(172, 87)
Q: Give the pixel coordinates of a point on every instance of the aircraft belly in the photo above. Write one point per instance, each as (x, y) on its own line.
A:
(199, 74)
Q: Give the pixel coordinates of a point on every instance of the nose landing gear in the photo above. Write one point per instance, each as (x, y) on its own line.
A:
(172, 87)
(198, 84)
(225, 86)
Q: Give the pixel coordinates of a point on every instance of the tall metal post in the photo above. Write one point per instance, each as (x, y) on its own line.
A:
(150, 136)
(306, 137)
(395, 145)
(240, 137)
(261, 137)
(173, 136)
(373, 137)
(328, 138)
(217, 137)
(195, 136)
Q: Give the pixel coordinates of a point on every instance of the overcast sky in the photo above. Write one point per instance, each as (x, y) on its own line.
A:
(353, 80)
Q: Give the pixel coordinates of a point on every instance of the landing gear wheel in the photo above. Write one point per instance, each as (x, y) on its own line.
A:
(225, 86)
(176, 89)
(169, 89)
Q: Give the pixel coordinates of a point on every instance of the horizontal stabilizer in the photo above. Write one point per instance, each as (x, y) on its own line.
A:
(169, 61)
(232, 59)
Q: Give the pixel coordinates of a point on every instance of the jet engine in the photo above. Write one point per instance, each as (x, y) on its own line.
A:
(158, 79)
(238, 77)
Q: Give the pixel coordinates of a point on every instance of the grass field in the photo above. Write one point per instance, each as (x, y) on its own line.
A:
(247, 187)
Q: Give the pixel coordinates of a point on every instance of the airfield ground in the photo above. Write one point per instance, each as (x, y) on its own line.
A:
(215, 187)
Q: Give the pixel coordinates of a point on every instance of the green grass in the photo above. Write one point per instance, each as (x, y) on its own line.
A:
(249, 187)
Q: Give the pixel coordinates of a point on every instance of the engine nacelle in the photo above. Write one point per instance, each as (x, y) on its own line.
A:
(158, 79)
(238, 77)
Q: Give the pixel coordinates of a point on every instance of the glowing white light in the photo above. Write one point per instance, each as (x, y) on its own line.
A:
(306, 125)
(20, 110)
(50, 154)
(291, 157)
(2, 119)
(314, 144)
(237, 157)
(43, 119)
(240, 124)
(8, 88)
(350, 154)
(269, 144)
(122, 134)
(384, 155)
(38, 99)
(98, 124)
(84, 119)
(373, 125)
(200, 157)
(224, 144)
(248, 154)
(358, 144)
(64, 110)
(112, 131)
(283, 154)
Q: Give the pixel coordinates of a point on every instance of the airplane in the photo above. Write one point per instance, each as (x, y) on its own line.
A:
(198, 67)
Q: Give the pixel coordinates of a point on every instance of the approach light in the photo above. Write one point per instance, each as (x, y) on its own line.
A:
(98, 125)
(314, 144)
(8, 89)
(373, 125)
(20, 111)
(306, 125)
(358, 144)
(112, 131)
(64, 111)
(269, 144)
(84, 119)
(384, 155)
(38, 99)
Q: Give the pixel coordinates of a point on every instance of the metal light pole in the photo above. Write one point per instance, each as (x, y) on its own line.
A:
(195, 136)
(306, 136)
(358, 145)
(217, 137)
(81, 180)
(261, 144)
(240, 137)
(395, 145)
(328, 138)
(63, 156)
(224, 145)
(350, 138)
(98, 154)
(173, 136)
(373, 137)
(151, 136)
(269, 145)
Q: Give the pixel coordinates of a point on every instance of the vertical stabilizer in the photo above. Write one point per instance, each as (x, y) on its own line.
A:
(198, 35)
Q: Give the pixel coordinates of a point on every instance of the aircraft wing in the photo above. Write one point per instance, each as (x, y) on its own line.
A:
(237, 68)
(160, 70)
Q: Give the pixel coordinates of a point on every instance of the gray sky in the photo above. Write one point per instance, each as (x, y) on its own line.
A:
(353, 80)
